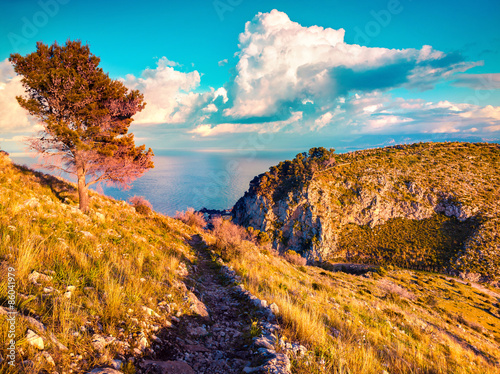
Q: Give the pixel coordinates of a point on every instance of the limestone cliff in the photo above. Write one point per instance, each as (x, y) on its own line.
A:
(308, 204)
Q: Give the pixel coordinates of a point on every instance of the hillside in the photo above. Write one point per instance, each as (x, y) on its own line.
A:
(381, 321)
(145, 293)
(117, 290)
(427, 206)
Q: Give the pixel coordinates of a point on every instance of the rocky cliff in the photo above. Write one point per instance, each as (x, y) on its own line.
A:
(315, 203)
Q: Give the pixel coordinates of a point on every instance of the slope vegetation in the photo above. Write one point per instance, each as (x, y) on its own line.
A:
(428, 206)
(380, 321)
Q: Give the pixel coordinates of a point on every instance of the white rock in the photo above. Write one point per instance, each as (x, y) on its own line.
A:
(48, 358)
(67, 295)
(100, 217)
(34, 340)
(142, 343)
(274, 308)
(117, 364)
(149, 311)
(98, 342)
(57, 343)
(35, 323)
(35, 276)
(104, 371)
(70, 288)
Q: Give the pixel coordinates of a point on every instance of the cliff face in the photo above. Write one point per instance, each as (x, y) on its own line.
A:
(370, 188)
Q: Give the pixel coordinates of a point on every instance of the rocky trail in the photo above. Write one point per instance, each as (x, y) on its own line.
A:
(218, 338)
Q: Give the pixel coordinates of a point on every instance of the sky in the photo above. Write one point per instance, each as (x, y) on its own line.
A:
(241, 74)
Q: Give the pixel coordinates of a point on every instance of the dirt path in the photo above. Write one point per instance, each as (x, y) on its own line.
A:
(213, 341)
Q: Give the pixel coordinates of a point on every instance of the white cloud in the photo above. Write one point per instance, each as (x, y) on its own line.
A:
(283, 64)
(168, 93)
(13, 118)
(379, 113)
(223, 62)
(322, 121)
(206, 130)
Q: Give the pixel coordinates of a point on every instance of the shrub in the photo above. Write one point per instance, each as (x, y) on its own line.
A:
(192, 218)
(294, 258)
(228, 238)
(141, 205)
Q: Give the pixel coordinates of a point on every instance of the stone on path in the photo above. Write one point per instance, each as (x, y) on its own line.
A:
(198, 307)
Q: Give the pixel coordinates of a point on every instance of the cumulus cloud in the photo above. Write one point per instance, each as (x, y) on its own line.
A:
(282, 64)
(14, 118)
(169, 93)
(223, 62)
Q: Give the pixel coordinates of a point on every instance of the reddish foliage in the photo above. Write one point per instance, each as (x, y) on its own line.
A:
(140, 204)
(192, 218)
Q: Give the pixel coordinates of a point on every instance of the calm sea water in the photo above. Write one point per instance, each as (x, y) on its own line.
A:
(182, 179)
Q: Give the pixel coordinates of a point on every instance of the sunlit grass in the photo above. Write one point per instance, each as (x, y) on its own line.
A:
(397, 321)
(102, 264)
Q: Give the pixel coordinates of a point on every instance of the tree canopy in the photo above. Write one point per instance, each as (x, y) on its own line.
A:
(85, 116)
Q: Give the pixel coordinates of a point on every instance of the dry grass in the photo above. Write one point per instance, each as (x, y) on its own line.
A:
(228, 238)
(115, 258)
(358, 324)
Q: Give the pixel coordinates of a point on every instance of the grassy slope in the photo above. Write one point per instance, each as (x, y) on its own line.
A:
(399, 321)
(467, 174)
(118, 260)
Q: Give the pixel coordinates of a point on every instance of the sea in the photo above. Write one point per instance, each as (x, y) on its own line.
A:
(214, 179)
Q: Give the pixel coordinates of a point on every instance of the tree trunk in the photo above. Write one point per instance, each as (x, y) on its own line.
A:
(83, 193)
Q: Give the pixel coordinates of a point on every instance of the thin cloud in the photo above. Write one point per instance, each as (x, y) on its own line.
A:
(223, 62)
(478, 81)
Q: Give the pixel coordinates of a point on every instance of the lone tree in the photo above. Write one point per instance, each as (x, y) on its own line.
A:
(85, 115)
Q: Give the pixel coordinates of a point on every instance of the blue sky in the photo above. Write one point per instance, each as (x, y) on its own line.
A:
(282, 74)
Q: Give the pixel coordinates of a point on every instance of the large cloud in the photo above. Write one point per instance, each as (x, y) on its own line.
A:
(282, 64)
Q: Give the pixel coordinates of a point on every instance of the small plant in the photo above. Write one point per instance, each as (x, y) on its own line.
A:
(192, 218)
(382, 271)
(294, 258)
(317, 286)
(141, 205)
(255, 330)
(228, 238)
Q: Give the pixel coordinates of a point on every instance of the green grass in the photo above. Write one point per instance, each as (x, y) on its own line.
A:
(427, 244)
